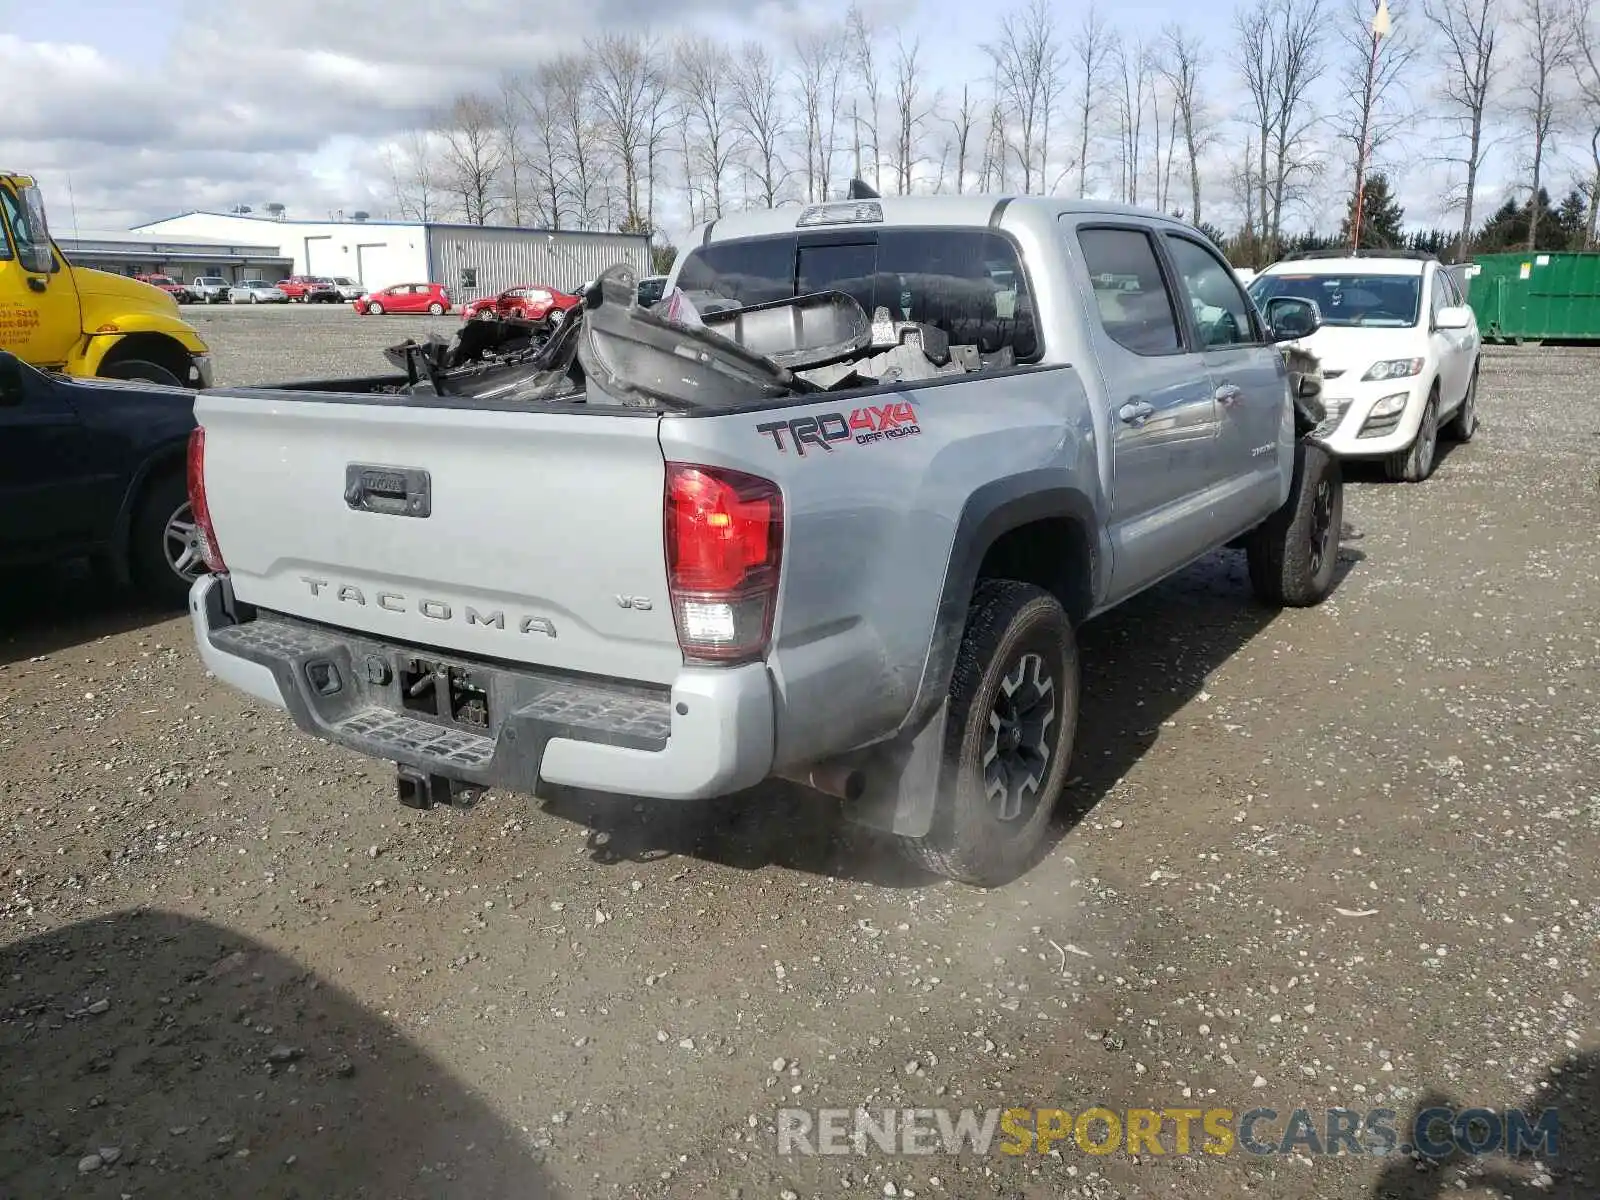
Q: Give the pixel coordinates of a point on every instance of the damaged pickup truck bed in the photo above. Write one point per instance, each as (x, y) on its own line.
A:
(831, 511)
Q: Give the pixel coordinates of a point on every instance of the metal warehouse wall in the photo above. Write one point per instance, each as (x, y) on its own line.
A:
(503, 258)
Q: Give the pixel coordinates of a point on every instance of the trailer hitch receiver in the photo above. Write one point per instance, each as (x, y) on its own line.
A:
(419, 789)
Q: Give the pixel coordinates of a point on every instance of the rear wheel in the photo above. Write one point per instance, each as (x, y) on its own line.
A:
(1465, 423)
(1008, 740)
(138, 368)
(164, 554)
(436, 309)
(1415, 462)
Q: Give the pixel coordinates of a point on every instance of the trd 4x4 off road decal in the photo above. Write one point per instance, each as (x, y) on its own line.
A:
(860, 425)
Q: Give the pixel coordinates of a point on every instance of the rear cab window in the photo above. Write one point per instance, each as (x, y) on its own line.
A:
(967, 282)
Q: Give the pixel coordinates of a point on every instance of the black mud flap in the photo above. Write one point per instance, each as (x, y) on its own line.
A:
(903, 781)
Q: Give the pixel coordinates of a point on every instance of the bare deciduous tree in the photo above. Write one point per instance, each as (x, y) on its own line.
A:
(1027, 71)
(627, 90)
(912, 107)
(961, 126)
(818, 73)
(1280, 55)
(473, 156)
(1093, 47)
(759, 114)
(1134, 63)
(1467, 32)
(567, 87)
(704, 81)
(861, 48)
(1179, 62)
(413, 170)
(513, 113)
(1586, 61)
(995, 150)
(1373, 106)
(1549, 32)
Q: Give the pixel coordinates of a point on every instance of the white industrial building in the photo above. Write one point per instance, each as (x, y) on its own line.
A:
(469, 260)
(182, 258)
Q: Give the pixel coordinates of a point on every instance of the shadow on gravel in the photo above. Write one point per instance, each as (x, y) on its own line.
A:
(195, 1062)
(1141, 663)
(54, 607)
(1572, 1172)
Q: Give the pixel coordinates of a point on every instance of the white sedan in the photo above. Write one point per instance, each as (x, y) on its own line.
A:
(257, 291)
(1399, 350)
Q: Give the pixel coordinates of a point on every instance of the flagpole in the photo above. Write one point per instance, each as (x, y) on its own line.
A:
(1380, 25)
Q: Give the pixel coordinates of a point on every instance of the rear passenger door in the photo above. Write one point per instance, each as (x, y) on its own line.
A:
(1254, 430)
(1159, 394)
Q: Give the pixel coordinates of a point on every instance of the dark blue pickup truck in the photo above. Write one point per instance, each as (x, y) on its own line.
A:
(95, 468)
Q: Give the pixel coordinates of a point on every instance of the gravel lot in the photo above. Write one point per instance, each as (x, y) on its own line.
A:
(1347, 856)
(279, 343)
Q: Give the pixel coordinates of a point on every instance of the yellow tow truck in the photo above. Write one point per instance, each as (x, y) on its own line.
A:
(83, 322)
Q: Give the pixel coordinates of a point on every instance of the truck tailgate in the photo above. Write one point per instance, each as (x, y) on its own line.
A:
(536, 537)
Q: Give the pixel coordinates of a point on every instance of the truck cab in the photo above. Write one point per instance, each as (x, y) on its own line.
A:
(83, 322)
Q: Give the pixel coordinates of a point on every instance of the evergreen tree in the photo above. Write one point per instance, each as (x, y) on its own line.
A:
(1559, 228)
(1571, 217)
(1381, 216)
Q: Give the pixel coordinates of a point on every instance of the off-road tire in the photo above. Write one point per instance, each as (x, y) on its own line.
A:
(1010, 627)
(153, 576)
(1294, 553)
(140, 369)
(1465, 422)
(1415, 463)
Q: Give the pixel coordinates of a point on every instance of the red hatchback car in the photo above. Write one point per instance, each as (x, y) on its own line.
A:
(406, 298)
(529, 302)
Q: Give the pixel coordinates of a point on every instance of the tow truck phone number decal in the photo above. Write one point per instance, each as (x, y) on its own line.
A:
(863, 426)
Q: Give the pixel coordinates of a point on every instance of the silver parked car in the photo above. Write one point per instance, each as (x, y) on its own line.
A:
(257, 291)
(348, 288)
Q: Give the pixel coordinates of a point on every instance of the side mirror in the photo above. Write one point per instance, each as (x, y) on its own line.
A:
(36, 259)
(1290, 318)
(1454, 316)
(11, 388)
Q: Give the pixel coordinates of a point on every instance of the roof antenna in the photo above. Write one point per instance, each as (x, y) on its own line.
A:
(860, 190)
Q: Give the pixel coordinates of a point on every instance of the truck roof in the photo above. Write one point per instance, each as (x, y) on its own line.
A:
(963, 211)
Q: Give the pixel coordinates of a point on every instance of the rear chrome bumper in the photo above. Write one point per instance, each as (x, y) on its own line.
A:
(711, 733)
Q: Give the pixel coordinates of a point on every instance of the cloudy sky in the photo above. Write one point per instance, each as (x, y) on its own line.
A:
(152, 107)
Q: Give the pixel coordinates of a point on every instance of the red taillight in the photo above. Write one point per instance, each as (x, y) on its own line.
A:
(210, 552)
(724, 532)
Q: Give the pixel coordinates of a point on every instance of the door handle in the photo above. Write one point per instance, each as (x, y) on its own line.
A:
(1228, 393)
(1136, 413)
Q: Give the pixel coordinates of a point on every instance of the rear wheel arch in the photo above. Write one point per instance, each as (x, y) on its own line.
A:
(165, 463)
(1036, 527)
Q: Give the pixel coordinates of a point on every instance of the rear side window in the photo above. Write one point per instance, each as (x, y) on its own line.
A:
(967, 282)
(1136, 310)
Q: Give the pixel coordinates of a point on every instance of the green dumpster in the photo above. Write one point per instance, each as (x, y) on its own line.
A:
(1536, 297)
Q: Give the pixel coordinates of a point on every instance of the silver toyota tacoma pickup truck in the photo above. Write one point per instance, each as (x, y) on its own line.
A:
(831, 512)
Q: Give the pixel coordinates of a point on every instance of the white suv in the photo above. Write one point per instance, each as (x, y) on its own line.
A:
(1399, 351)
